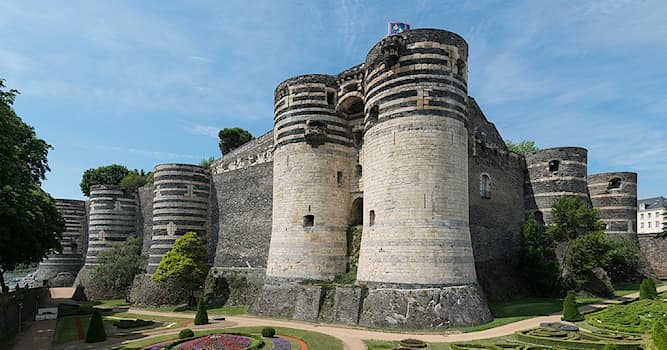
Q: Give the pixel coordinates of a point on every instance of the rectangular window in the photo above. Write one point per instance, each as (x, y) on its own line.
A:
(641, 216)
(649, 215)
(657, 224)
(309, 221)
(649, 224)
(641, 225)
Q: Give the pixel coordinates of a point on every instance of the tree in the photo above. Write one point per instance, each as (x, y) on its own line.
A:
(133, 180)
(96, 332)
(185, 265)
(231, 138)
(585, 253)
(104, 175)
(31, 226)
(537, 259)
(206, 162)
(570, 309)
(524, 147)
(202, 316)
(571, 217)
(119, 265)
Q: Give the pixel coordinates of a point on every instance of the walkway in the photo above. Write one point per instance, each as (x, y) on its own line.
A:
(38, 335)
(352, 338)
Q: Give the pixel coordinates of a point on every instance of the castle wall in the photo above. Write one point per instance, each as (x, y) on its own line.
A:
(310, 173)
(615, 197)
(653, 249)
(145, 216)
(112, 218)
(416, 229)
(180, 205)
(495, 215)
(70, 260)
(553, 173)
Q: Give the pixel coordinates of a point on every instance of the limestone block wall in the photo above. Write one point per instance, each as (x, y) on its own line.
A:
(71, 258)
(653, 248)
(415, 163)
(553, 173)
(112, 218)
(145, 196)
(180, 205)
(615, 197)
(310, 181)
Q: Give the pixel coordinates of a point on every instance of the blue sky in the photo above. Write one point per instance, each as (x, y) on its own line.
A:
(141, 83)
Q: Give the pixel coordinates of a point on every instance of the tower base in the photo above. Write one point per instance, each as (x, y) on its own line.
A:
(423, 308)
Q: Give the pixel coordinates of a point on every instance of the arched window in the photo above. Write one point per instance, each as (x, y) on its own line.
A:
(373, 114)
(371, 218)
(614, 183)
(553, 165)
(485, 186)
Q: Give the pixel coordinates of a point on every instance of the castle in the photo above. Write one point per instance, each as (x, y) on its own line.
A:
(394, 144)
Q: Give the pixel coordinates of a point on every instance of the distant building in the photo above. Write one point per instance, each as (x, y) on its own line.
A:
(650, 214)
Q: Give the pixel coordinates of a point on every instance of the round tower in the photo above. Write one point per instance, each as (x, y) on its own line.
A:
(615, 197)
(310, 181)
(71, 258)
(553, 173)
(180, 205)
(415, 162)
(112, 219)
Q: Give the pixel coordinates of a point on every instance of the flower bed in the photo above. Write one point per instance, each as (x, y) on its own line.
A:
(281, 344)
(216, 342)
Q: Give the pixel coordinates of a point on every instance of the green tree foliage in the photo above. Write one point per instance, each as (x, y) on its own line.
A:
(119, 265)
(571, 217)
(185, 265)
(268, 332)
(30, 224)
(570, 310)
(647, 289)
(104, 175)
(186, 333)
(537, 260)
(133, 180)
(523, 147)
(206, 163)
(585, 253)
(659, 336)
(96, 332)
(231, 138)
(202, 316)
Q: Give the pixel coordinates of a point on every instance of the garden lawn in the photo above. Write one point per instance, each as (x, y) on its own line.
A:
(635, 317)
(66, 330)
(223, 310)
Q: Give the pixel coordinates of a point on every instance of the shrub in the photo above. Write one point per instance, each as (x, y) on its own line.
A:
(202, 316)
(647, 289)
(268, 332)
(659, 336)
(186, 333)
(570, 311)
(609, 347)
(412, 343)
(96, 332)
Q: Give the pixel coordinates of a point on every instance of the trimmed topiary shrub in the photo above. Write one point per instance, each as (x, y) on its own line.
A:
(570, 310)
(412, 343)
(659, 336)
(268, 332)
(96, 332)
(202, 316)
(186, 333)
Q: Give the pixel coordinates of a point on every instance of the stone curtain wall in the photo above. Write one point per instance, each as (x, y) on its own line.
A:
(145, 217)
(495, 220)
(654, 249)
(615, 197)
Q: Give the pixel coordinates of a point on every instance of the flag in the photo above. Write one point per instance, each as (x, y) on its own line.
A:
(397, 28)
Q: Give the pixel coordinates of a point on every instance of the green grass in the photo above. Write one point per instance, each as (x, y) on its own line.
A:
(66, 328)
(151, 317)
(528, 307)
(112, 303)
(223, 310)
(635, 317)
(623, 289)
(382, 345)
(497, 322)
(314, 340)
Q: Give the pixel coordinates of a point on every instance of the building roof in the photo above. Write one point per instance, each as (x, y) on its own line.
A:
(653, 203)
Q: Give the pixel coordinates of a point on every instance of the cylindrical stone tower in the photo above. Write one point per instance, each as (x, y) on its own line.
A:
(416, 230)
(112, 219)
(553, 173)
(310, 181)
(614, 195)
(180, 205)
(71, 258)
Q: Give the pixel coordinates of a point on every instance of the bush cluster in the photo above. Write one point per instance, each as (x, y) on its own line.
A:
(647, 289)
(659, 336)
(268, 332)
(186, 333)
(413, 343)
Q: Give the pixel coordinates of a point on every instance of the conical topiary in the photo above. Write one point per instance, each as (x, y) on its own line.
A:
(570, 311)
(647, 289)
(202, 316)
(96, 332)
(652, 288)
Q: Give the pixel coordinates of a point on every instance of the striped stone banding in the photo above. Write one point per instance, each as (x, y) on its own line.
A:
(71, 258)
(112, 212)
(617, 206)
(180, 205)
